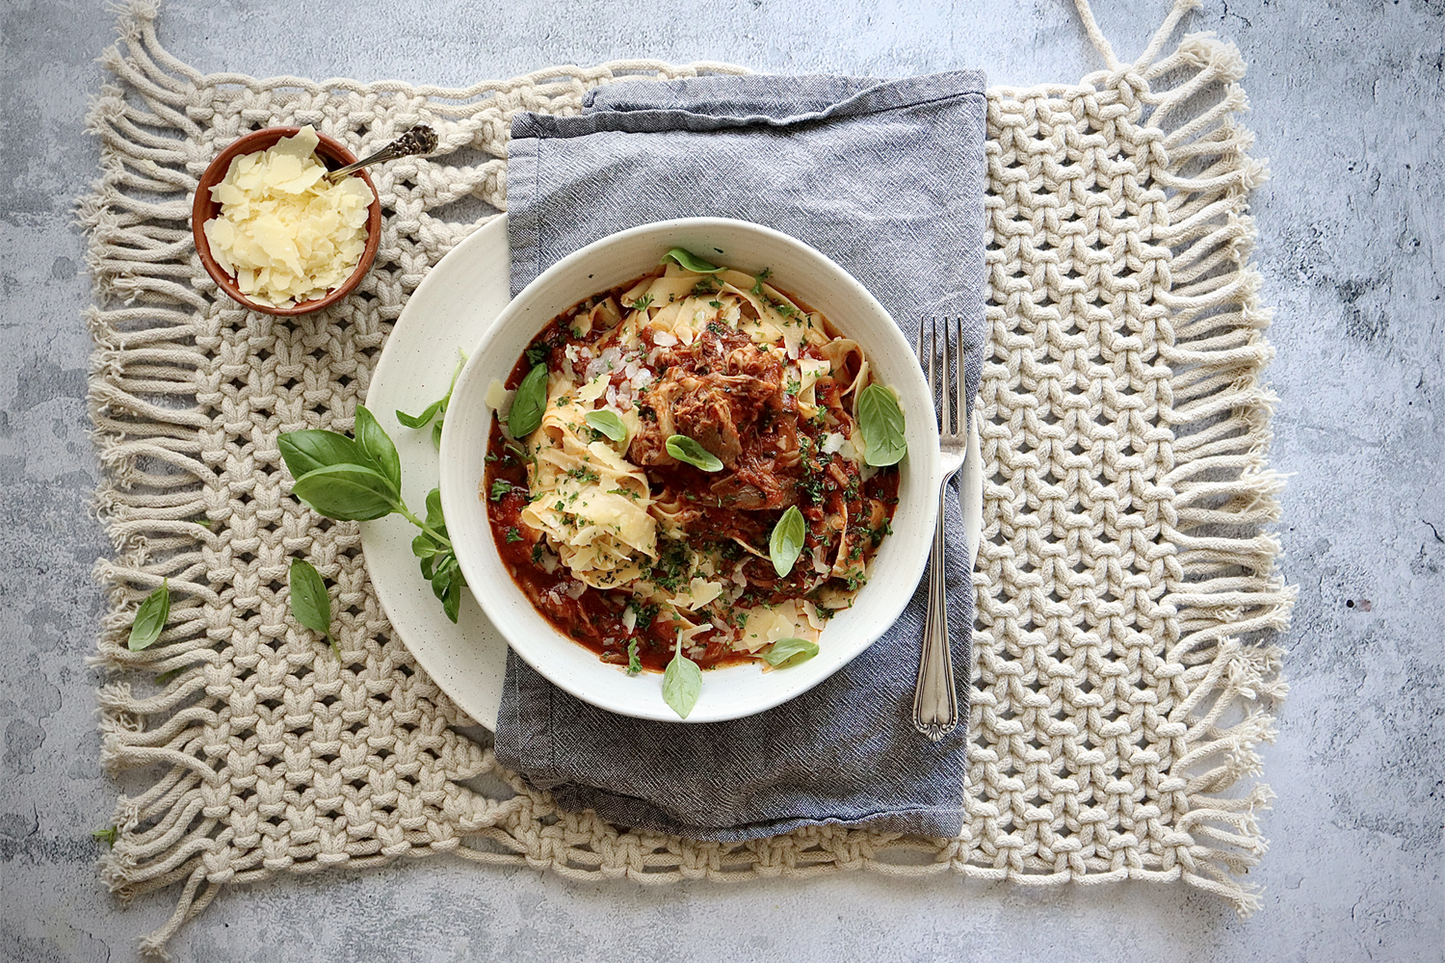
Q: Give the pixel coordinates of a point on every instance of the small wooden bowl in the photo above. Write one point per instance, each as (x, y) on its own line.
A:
(334, 155)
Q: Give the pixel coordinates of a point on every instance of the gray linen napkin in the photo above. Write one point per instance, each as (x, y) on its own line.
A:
(886, 178)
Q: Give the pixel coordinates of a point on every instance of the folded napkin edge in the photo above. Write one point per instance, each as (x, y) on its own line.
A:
(675, 101)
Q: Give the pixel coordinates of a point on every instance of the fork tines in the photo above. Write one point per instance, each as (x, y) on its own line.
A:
(938, 346)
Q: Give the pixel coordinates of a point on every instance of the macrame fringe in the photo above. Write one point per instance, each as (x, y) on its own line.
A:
(158, 360)
(1227, 584)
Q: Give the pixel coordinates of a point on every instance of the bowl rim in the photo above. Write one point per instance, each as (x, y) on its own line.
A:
(500, 606)
(335, 155)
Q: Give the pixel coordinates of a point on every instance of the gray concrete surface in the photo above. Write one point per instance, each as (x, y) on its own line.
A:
(1348, 106)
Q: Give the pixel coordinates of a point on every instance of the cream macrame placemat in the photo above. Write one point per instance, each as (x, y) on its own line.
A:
(1124, 576)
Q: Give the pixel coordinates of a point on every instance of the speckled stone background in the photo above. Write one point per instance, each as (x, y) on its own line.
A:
(1349, 106)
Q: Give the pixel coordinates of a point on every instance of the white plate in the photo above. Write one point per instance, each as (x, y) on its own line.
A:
(451, 308)
(449, 311)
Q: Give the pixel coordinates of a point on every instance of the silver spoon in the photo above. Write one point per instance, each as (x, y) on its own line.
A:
(419, 140)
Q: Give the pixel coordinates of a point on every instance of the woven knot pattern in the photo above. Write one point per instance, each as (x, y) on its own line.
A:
(1121, 576)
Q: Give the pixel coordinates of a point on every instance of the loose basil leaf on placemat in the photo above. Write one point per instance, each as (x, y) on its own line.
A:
(309, 601)
(786, 543)
(690, 261)
(608, 423)
(881, 420)
(681, 684)
(684, 449)
(528, 403)
(151, 617)
(789, 651)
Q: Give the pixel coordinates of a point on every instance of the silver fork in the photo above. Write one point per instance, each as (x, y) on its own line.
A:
(935, 704)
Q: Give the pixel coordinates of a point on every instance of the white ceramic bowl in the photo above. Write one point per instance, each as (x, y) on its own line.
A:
(797, 269)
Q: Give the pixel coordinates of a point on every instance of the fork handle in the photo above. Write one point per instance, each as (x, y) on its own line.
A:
(935, 703)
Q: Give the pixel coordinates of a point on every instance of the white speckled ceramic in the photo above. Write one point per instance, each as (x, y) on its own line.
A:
(797, 269)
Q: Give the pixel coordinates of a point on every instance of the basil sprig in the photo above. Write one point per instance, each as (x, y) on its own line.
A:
(528, 403)
(681, 682)
(786, 542)
(438, 561)
(608, 423)
(359, 479)
(690, 261)
(684, 449)
(437, 409)
(309, 601)
(791, 651)
(881, 421)
(151, 617)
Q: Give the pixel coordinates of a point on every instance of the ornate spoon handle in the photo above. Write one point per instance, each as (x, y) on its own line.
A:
(419, 140)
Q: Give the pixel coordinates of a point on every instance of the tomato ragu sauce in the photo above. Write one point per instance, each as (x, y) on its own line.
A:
(775, 418)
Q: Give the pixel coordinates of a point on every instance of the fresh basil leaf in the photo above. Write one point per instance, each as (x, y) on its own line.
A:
(435, 520)
(346, 492)
(309, 601)
(881, 421)
(436, 407)
(452, 598)
(681, 684)
(312, 448)
(608, 423)
(377, 446)
(790, 651)
(428, 561)
(425, 547)
(436, 434)
(690, 261)
(443, 573)
(786, 542)
(528, 403)
(151, 617)
(685, 449)
(108, 835)
(419, 421)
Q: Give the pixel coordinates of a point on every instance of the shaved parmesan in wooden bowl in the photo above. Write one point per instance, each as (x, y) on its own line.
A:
(273, 233)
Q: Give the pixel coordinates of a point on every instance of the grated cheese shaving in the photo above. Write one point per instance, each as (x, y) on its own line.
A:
(284, 233)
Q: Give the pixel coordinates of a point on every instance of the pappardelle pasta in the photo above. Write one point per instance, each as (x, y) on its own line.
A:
(677, 468)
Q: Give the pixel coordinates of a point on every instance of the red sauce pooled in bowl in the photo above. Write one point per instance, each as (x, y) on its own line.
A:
(736, 400)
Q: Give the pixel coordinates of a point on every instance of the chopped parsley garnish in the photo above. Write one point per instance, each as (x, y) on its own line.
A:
(671, 567)
(537, 550)
(645, 615)
(634, 662)
(536, 354)
(642, 303)
(763, 275)
(513, 535)
(501, 487)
